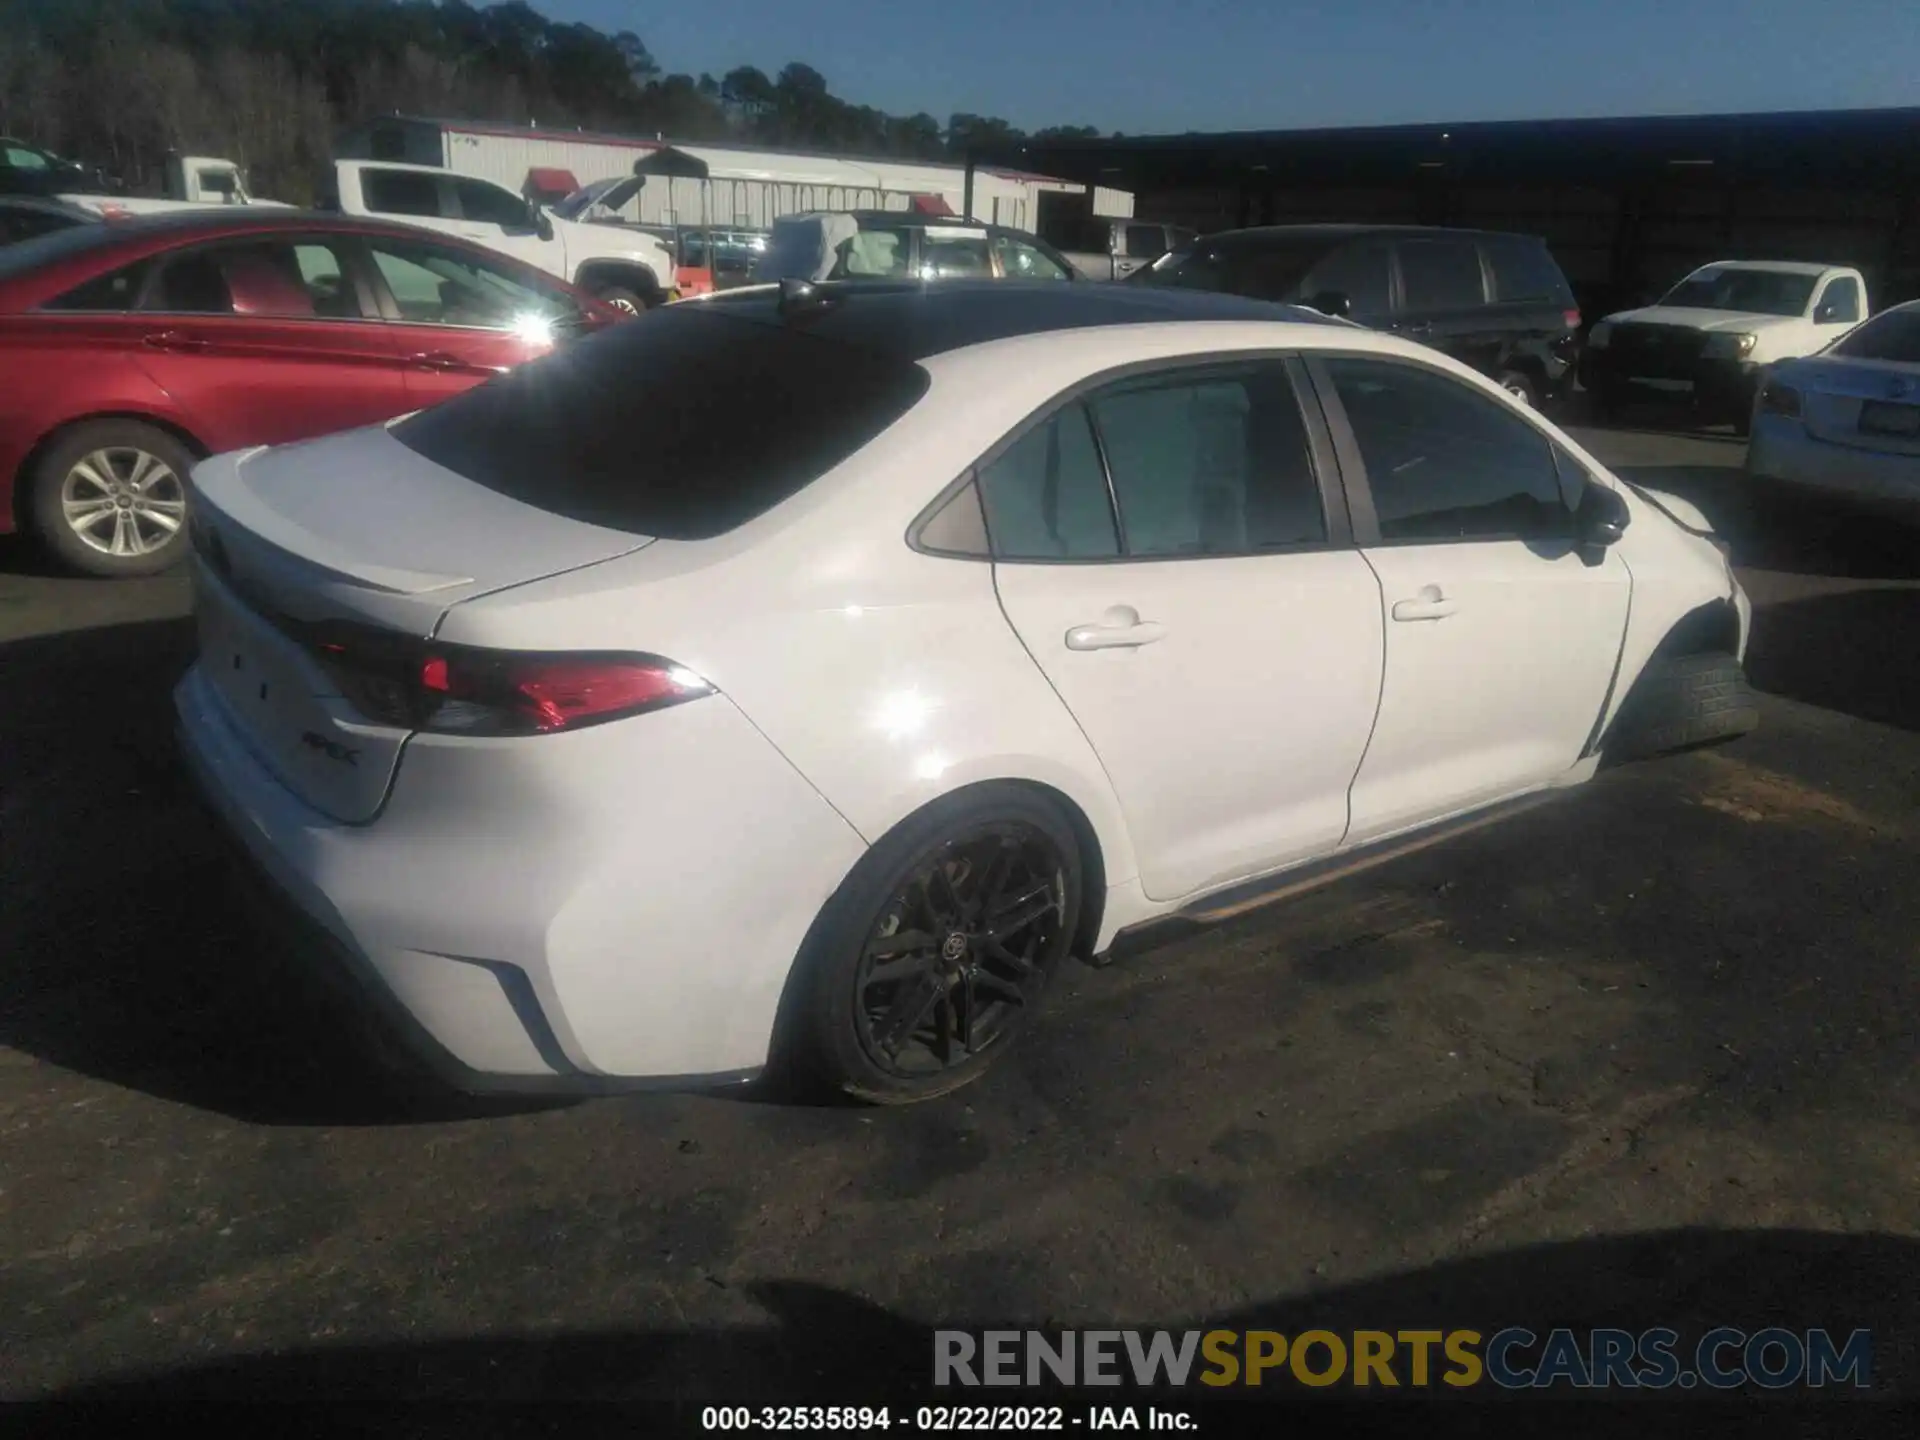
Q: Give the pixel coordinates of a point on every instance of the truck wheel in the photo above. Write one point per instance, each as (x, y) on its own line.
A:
(621, 298)
(109, 498)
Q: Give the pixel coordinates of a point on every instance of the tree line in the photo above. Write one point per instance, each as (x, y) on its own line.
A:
(120, 83)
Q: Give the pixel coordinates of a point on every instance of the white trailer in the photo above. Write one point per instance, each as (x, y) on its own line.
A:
(749, 188)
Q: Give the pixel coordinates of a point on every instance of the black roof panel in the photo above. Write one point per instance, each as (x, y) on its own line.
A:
(914, 320)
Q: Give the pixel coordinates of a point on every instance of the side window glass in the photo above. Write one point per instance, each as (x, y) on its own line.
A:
(949, 255)
(1210, 463)
(1046, 497)
(491, 205)
(1444, 463)
(432, 286)
(1841, 302)
(873, 253)
(1358, 272)
(116, 291)
(190, 284)
(1020, 261)
(400, 192)
(1440, 275)
(1146, 242)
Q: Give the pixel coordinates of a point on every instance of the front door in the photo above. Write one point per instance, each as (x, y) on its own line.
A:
(1501, 638)
(462, 319)
(264, 341)
(1218, 643)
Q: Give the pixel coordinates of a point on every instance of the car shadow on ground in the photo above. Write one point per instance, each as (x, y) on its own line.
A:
(124, 951)
(826, 1346)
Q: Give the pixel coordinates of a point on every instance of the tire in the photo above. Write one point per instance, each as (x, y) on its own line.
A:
(110, 469)
(1682, 701)
(1521, 386)
(1011, 867)
(622, 298)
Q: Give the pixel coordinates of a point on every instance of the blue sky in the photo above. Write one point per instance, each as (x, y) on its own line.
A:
(1147, 66)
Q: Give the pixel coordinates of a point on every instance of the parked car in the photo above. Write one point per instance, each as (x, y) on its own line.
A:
(191, 181)
(908, 639)
(894, 244)
(1106, 249)
(1845, 424)
(628, 270)
(132, 349)
(1493, 301)
(1710, 338)
(28, 170)
(22, 217)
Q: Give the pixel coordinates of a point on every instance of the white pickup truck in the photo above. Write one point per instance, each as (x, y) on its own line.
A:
(194, 182)
(628, 269)
(1711, 336)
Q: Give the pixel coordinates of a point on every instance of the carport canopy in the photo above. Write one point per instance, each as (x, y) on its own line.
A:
(672, 164)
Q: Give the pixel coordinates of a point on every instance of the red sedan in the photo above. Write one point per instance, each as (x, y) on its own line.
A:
(131, 350)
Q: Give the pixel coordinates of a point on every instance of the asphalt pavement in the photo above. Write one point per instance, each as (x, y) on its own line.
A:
(1646, 1055)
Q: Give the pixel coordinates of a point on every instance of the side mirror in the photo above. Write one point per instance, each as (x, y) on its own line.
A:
(1332, 302)
(1601, 519)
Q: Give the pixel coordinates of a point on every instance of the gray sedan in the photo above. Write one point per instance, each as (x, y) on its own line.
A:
(1845, 423)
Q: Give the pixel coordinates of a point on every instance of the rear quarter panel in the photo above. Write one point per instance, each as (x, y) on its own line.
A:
(59, 370)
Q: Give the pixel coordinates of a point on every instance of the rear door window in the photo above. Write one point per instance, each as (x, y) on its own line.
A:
(954, 254)
(1358, 271)
(738, 415)
(1440, 275)
(400, 192)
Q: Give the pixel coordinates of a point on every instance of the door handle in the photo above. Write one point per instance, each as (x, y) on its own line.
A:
(1414, 327)
(437, 360)
(1121, 628)
(1429, 604)
(174, 340)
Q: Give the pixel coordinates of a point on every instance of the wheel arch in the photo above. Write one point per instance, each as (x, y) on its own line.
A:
(633, 274)
(23, 478)
(1709, 627)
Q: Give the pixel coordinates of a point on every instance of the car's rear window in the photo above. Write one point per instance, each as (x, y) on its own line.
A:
(1891, 335)
(683, 424)
(1524, 270)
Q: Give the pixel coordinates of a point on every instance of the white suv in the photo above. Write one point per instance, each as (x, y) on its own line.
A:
(629, 270)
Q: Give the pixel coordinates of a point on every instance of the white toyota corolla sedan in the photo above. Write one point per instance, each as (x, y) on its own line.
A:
(796, 678)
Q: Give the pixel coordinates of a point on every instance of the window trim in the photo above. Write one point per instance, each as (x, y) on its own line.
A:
(1353, 468)
(1328, 475)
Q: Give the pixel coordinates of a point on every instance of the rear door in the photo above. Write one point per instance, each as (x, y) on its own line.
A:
(265, 340)
(1443, 298)
(1501, 639)
(1173, 557)
(458, 318)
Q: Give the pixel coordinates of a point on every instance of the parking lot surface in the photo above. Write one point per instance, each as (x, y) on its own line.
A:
(1646, 1055)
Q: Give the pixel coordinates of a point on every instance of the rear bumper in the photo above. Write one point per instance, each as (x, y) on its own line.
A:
(1780, 451)
(534, 932)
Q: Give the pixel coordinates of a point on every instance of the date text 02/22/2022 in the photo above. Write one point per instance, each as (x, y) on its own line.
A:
(940, 1419)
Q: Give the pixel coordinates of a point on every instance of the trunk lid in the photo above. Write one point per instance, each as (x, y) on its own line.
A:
(356, 529)
(1872, 405)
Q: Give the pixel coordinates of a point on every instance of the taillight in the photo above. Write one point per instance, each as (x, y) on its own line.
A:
(1572, 319)
(465, 690)
(1779, 399)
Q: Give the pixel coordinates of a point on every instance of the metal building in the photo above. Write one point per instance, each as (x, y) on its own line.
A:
(750, 187)
(1627, 205)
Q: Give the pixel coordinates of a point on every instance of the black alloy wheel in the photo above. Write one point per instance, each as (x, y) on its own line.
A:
(934, 952)
(961, 949)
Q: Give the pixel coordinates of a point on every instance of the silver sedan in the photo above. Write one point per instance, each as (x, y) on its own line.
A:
(1845, 422)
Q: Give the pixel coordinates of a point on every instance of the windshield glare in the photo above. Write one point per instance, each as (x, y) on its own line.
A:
(1753, 292)
(1893, 336)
